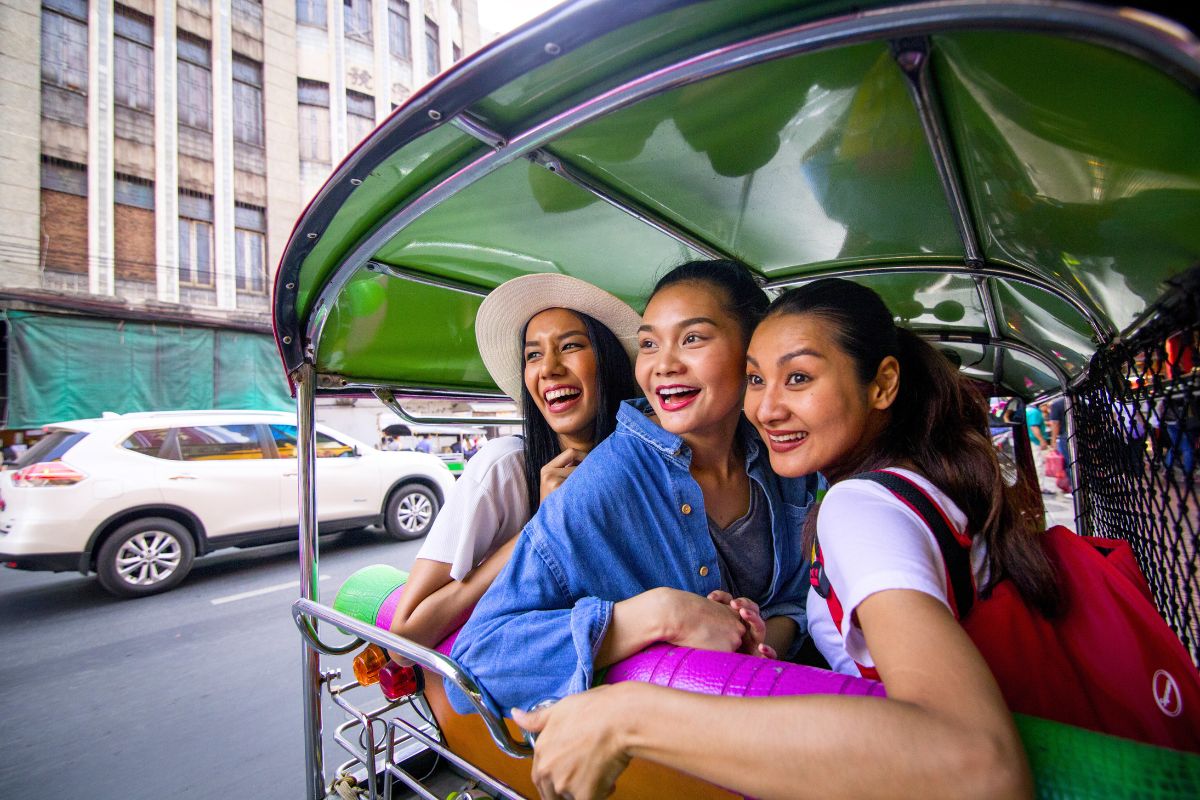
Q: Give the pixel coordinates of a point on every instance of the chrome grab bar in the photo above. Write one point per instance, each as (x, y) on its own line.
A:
(430, 660)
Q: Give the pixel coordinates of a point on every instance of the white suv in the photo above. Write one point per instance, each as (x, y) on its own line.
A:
(136, 497)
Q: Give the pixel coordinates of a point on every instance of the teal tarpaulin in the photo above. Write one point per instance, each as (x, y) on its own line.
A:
(64, 367)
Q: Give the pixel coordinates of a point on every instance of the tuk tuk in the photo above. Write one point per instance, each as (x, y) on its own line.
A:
(1019, 180)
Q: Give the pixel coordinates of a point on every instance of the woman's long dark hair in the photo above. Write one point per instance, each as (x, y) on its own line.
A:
(744, 299)
(614, 383)
(938, 422)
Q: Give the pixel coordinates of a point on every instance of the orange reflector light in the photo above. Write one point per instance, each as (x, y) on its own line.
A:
(368, 663)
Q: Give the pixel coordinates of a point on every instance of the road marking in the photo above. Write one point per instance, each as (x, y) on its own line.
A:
(279, 587)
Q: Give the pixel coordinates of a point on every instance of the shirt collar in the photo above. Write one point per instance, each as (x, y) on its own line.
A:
(634, 416)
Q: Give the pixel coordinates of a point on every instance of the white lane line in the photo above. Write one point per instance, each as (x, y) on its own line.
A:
(279, 587)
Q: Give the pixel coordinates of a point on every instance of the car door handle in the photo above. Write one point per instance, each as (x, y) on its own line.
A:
(182, 478)
(289, 474)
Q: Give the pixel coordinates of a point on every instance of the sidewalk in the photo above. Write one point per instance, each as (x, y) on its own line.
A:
(1060, 510)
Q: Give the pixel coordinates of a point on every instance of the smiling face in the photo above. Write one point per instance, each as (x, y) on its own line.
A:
(691, 360)
(560, 374)
(806, 399)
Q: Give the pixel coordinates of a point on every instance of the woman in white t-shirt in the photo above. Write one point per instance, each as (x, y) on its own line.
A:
(833, 385)
(564, 347)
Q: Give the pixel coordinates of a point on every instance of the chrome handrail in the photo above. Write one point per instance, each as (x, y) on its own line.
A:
(430, 660)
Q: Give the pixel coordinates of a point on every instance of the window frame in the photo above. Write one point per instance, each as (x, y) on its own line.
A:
(357, 24)
(70, 51)
(248, 83)
(314, 96)
(400, 29)
(189, 63)
(433, 55)
(243, 281)
(317, 9)
(188, 270)
(133, 32)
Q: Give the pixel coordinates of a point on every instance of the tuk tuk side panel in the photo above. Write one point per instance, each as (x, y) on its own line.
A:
(1065, 176)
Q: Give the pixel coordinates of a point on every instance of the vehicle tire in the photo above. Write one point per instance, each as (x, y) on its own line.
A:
(410, 512)
(145, 556)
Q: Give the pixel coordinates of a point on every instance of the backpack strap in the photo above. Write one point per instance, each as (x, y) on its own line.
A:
(955, 553)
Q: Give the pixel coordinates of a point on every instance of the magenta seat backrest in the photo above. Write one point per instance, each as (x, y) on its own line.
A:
(705, 671)
(734, 674)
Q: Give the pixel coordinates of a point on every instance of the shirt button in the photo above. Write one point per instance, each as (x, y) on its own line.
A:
(686, 509)
(704, 572)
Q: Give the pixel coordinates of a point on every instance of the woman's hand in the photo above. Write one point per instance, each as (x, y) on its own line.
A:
(579, 752)
(558, 468)
(699, 622)
(672, 616)
(754, 640)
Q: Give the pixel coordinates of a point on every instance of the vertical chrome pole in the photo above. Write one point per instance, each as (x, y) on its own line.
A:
(1082, 524)
(310, 678)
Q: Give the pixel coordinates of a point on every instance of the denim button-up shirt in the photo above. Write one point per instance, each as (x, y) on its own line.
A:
(629, 519)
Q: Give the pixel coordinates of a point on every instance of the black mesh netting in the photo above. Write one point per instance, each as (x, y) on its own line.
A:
(1137, 425)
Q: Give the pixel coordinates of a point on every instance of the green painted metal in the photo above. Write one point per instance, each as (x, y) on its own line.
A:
(522, 219)
(814, 160)
(1082, 163)
(1079, 166)
(402, 174)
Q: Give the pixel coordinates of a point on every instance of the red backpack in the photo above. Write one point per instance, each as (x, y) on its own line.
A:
(1109, 663)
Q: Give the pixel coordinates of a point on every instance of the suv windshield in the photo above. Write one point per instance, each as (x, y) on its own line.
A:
(50, 447)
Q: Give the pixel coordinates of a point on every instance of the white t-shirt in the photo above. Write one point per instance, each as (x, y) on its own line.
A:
(486, 508)
(871, 541)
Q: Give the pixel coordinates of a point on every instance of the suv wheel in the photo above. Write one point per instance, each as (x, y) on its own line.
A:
(410, 512)
(146, 556)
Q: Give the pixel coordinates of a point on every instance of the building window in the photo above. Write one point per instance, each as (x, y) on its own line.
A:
(250, 244)
(457, 6)
(195, 240)
(65, 61)
(360, 116)
(433, 58)
(398, 30)
(314, 121)
(311, 12)
(65, 45)
(247, 102)
(195, 82)
(457, 53)
(133, 56)
(356, 15)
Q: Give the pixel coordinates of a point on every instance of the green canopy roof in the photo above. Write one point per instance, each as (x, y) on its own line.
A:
(1017, 180)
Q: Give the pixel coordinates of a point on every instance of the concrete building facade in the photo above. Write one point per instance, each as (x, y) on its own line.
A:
(158, 152)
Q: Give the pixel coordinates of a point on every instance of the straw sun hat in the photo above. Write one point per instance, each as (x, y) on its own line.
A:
(509, 306)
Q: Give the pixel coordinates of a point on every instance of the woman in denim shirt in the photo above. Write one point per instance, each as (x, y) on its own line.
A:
(661, 526)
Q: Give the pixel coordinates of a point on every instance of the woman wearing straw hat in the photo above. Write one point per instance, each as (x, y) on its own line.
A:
(674, 530)
(563, 348)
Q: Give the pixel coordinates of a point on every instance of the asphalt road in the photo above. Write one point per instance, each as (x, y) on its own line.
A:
(193, 693)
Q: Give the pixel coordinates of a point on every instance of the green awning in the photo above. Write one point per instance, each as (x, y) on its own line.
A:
(66, 367)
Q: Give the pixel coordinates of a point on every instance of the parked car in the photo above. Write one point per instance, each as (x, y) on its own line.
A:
(136, 497)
